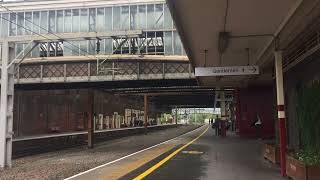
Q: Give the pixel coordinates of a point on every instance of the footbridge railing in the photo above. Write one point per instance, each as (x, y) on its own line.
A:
(68, 72)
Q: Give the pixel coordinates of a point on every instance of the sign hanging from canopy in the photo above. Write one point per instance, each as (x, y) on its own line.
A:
(226, 71)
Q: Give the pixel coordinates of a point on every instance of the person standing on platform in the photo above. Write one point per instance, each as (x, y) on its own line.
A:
(258, 126)
(217, 125)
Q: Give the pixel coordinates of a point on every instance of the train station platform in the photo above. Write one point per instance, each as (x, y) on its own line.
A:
(68, 162)
(198, 154)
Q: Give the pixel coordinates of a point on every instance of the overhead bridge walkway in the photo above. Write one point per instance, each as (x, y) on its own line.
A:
(68, 72)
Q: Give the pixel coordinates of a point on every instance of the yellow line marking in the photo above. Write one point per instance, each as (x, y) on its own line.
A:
(123, 168)
(156, 166)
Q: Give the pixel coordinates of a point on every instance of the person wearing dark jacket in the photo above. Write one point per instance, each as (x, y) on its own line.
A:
(217, 125)
(258, 126)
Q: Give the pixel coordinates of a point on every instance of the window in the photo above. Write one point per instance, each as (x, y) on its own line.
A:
(102, 49)
(159, 16)
(67, 21)
(20, 24)
(108, 46)
(150, 17)
(43, 49)
(4, 25)
(168, 43)
(124, 18)
(13, 26)
(177, 44)
(100, 20)
(35, 52)
(52, 22)
(133, 17)
(28, 22)
(116, 18)
(75, 20)
(36, 22)
(92, 20)
(108, 18)
(167, 18)
(75, 48)
(83, 47)
(19, 49)
(84, 20)
(142, 17)
(151, 42)
(59, 22)
(159, 43)
(27, 48)
(67, 49)
(92, 47)
(44, 22)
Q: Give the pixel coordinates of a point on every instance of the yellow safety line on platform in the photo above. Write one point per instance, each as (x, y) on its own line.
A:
(156, 166)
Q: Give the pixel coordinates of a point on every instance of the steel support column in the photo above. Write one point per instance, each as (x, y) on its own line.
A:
(222, 106)
(223, 111)
(176, 116)
(6, 108)
(90, 118)
(281, 110)
(146, 111)
(238, 110)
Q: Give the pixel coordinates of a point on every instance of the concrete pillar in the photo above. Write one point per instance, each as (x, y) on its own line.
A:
(6, 107)
(146, 111)
(281, 111)
(90, 118)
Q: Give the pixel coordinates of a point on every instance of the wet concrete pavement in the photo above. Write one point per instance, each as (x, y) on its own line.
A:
(214, 158)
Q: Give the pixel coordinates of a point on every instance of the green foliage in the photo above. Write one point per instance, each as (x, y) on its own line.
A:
(308, 111)
(200, 117)
(308, 157)
(165, 118)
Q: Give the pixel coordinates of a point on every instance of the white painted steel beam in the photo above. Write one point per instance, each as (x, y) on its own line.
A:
(7, 100)
(61, 4)
(72, 36)
(114, 57)
(281, 110)
(6, 107)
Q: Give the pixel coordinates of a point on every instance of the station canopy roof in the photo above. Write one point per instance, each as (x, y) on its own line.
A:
(199, 24)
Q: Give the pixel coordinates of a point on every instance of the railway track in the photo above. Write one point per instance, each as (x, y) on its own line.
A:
(27, 146)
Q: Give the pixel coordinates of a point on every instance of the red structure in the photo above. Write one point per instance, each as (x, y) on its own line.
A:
(253, 102)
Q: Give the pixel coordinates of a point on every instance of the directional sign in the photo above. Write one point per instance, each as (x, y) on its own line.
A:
(226, 71)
